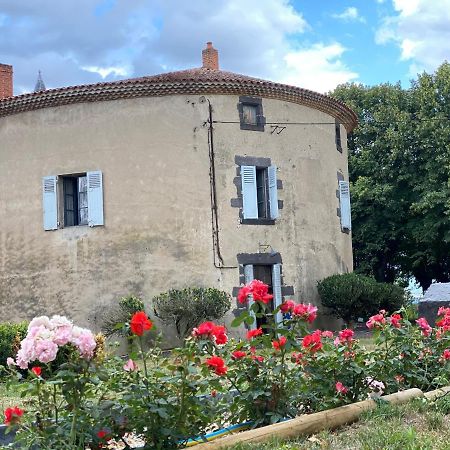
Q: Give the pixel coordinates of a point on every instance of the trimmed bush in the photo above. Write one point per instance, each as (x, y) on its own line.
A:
(117, 318)
(187, 308)
(351, 295)
(10, 336)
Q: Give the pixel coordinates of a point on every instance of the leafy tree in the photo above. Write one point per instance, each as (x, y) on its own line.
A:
(399, 162)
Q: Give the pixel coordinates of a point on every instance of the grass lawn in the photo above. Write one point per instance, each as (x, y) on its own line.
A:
(9, 397)
(417, 425)
(367, 343)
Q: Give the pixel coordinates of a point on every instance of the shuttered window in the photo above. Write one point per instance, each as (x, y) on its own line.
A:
(50, 203)
(81, 200)
(276, 288)
(248, 273)
(337, 134)
(344, 203)
(259, 192)
(95, 198)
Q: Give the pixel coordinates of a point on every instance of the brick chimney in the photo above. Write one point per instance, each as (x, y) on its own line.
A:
(6, 81)
(210, 57)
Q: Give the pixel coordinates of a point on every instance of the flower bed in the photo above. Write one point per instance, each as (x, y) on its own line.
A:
(84, 398)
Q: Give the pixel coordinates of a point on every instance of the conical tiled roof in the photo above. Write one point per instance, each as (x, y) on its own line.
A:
(199, 81)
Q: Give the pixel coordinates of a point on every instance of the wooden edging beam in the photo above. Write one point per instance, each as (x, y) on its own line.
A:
(311, 423)
(433, 395)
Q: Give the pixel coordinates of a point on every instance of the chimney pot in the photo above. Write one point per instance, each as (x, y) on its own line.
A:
(6, 81)
(210, 57)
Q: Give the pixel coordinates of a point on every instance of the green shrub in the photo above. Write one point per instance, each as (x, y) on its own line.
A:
(351, 295)
(187, 308)
(117, 318)
(10, 336)
(384, 296)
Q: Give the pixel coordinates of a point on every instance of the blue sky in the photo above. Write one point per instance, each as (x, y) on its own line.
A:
(315, 44)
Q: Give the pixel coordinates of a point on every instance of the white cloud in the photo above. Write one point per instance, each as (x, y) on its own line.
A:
(82, 42)
(318, 68)
(421, 31)
(407, 7)
(106, 71)
(350, 14)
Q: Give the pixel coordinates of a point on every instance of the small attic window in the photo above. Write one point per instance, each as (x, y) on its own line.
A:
(251, 113)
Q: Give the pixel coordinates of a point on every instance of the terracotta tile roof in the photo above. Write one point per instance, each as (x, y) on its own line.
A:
(190, 82)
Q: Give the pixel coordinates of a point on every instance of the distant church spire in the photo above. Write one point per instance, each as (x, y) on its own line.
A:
(40, 86)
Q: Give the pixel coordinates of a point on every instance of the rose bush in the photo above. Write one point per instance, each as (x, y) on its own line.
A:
(83, 398)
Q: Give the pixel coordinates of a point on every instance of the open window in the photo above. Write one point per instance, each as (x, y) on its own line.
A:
(73, 200)
(259, 193)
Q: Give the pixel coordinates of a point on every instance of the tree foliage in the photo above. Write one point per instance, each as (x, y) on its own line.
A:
(399, 163)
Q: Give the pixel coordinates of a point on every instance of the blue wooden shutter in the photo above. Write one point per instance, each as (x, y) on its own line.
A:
(248, 274)
(49, 203)
(95, 198)
(249, 196)
(273, 195)
(276, 289)
(344, 200)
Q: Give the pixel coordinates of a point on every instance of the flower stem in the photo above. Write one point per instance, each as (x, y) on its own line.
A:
(141, 345)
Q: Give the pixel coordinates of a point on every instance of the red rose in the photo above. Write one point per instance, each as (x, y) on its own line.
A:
(243, 294)
(140, 323)
(260, 291)
(238, 354)
(37, 370)
(424, 326)
(395, 320)
(218, 364)
(253, 333)
(377, 320)
(257, 289)
(204, 329)
(287, 306)
(219, 333)
(327, 334)
(208, 330)
(101, 434)
(13, 415)
(312, 341)
(280, 343)
(306, 312)
(340, 388)
(346, 335)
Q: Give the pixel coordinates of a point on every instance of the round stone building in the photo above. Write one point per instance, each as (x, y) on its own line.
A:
(193, 178)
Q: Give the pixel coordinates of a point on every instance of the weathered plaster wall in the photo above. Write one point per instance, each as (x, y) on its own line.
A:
(153, 153)
(307, 234)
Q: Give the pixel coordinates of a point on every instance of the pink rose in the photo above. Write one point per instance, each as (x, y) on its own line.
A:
(85, 341)
(10, 362)
(46, 350)
(130, 366)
